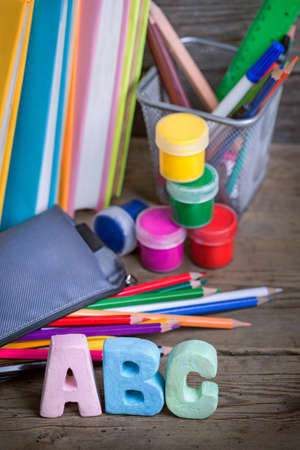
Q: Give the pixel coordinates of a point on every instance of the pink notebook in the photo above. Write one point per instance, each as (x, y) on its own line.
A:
(88, 27)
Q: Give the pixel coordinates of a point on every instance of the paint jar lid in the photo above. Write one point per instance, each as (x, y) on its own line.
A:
(134, 207)
(199, 191)
(181, 134)
(221, 229)
(116, 229)
(155, 229)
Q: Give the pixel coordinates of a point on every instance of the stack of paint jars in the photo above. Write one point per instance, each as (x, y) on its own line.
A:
(192, 186)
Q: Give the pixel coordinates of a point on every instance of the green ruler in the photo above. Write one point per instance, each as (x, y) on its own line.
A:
(273, 21)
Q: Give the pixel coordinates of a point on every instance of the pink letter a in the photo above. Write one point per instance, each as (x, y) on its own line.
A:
(69, 352)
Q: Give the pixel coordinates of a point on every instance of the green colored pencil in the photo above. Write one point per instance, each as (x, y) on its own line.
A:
(193, 284)
(143, 299)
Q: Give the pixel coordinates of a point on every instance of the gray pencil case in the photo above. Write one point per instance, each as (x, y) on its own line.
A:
(50, 267)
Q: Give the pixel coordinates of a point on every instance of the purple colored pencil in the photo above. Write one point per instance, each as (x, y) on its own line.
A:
(113, 330)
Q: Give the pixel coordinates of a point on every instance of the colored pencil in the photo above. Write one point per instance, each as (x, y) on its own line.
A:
(165, 66)
(180, 286)
(219, 297)
(253, 107)
(9, 371)
(92, 321)
(217, 306)
(92, 341)
(150, 285)
(116, 330)
(185, 321)
(184, 60)
(287, 70)
(142, 299)
(38, 353)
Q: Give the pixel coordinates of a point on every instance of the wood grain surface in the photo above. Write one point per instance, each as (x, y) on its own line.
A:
(227, 21)
(259, 370)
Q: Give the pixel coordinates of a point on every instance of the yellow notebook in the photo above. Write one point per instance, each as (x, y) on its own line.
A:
(15, 23)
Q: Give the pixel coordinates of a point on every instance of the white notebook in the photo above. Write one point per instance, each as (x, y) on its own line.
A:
(96, 120)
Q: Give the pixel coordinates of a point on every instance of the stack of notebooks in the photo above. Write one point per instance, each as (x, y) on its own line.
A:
(68, 72)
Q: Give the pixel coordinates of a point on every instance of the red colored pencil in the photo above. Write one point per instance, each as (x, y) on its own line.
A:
(149, 286)
(288, 69)
(166, 66)
(92, 321)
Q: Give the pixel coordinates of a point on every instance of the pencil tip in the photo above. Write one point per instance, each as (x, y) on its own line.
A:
(277, 290)
(166, 350)
(263, 300)
(238, 323)
(203, 281)
(196, 275)
(135, 319)
(195, 284)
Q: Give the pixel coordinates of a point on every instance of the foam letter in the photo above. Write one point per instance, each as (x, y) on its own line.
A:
(69, 352)
(132, 383)
(182, 400)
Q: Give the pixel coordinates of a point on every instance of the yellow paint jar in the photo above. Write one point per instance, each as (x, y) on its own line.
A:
(182, 139)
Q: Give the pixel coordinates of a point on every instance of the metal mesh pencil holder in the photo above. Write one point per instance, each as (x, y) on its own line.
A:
(238, 148)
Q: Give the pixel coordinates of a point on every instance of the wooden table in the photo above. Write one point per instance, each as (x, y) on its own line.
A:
(259, 370)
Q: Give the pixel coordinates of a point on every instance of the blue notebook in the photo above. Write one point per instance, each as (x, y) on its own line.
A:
(63, 96)
(29, 178)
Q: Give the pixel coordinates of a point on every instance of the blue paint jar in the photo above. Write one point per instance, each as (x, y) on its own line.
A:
(115, 226)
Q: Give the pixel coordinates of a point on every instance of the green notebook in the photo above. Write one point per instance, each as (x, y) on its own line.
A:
(273, 21)
(131, 35)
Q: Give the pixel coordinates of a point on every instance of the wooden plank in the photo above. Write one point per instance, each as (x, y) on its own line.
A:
(258, 403)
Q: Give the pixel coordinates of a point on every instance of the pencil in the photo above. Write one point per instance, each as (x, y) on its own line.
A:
(92, 342)
(143, 299)
(165, 66)
(287, 70)
(217, 306)
(116, 330)
(177, 303)
(8, 371)
(262, 94)
(185, 321)
(180, 286)
(92, 321)
(184, 59)
(150, 285)
(38, 354)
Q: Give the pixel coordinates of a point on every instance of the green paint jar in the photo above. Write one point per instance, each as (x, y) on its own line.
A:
(192, 203)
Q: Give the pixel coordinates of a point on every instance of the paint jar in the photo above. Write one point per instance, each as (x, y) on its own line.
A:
(161, 240)
(115, 226)
(212, 245)
(192, 203)
(182, 139)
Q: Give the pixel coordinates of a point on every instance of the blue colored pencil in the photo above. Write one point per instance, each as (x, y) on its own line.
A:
(215, 306)
(263, 92)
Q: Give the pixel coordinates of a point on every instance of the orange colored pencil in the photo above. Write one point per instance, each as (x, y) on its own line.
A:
(185, 321)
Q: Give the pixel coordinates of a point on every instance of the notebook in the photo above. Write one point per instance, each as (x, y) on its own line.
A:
(15, 23)
(87, 34)
(128, 28)
(99, 99)
(66, 157)
(63, 98)
(135, 74)
(29, 176)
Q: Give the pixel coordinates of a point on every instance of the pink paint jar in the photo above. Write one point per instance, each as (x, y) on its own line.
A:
(161, 240)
